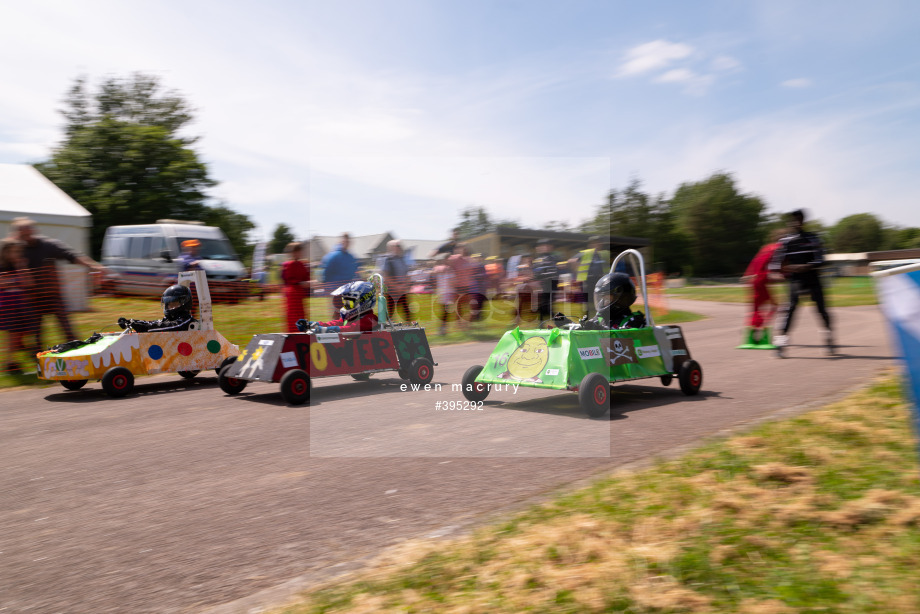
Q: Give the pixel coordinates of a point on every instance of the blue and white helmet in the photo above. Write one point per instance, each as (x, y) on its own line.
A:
(357, 299)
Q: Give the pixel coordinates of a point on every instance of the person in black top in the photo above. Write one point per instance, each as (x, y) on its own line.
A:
(546, 272)
(177, 314)
(799, 258)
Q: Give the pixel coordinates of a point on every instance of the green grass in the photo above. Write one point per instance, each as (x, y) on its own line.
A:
(841, 292)
(238, 323)
(818, 513)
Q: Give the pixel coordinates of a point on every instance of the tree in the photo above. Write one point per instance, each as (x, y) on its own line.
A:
(123, 156)
(861, 232)
(280, 239)
(724, 227)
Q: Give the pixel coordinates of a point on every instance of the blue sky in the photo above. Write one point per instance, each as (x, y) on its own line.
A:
(394, 115)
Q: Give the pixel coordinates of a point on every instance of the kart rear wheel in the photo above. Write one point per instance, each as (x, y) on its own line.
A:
(421, 371)
(73, 384)
(226, 361)
(361, 377)
(690, 377)
(472, 390)
(295, 387)
(230, 385)
(117, 382)
(666, 379)
(189, 374)
(594, 395)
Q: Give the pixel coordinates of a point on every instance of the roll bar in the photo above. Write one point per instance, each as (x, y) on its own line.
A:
(636, 258)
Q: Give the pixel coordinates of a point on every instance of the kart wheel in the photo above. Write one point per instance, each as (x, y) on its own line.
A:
(421, 371)
(73, 384)
(117, 382)
(690, 377)
(666, 379)
(226, 361)
(402, 373)
(472, 390)
(594, 395)
(230, 385)
(361, 377)
(295, 387)
(189, 374)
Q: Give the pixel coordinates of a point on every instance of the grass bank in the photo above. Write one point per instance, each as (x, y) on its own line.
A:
(841, 292)
(238, 323)
(818, 513)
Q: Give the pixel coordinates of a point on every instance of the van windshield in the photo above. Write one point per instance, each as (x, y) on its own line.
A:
(212, 249)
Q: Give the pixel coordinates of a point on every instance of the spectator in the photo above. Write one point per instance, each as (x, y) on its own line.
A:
(546, 272)
(396, 279)
(190, 259)
(478, 289)
(448, 247)
(443, 275)
(464, 282)
(495, 275)
(339, 267)
(590, 265)
(295, 275)
(40, 253)
(799, 257)
(524, 287)
(15, 282)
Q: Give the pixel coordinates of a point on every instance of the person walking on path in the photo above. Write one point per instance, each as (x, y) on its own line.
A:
(295, 275)
(339, 267)
(546, 272)
(763, 305)
(40, 253)
(799, 258)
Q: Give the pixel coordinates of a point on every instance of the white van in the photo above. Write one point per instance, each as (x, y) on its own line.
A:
(146, 257)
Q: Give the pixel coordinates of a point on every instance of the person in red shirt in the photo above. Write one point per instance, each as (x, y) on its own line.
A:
(295, 275)
(357, 311)
(763, 305)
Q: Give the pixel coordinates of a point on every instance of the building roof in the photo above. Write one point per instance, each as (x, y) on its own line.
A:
(26, 192)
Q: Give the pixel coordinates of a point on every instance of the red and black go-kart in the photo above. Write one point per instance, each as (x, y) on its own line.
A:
(295, 359)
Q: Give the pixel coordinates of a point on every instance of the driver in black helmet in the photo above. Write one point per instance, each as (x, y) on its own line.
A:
(614, 294)
(177, 313)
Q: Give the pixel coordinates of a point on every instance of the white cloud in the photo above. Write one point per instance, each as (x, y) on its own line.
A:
(653, 56)
(724, 63)
(797, 83)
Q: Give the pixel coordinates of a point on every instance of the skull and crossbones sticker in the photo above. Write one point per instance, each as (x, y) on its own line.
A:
(619, 351)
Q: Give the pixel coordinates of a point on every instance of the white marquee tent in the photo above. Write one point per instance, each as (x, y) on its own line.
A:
(25, 192)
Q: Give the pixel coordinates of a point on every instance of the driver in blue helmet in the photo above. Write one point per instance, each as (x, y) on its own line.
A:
(614, 294)
(177, 313)
(357, 311)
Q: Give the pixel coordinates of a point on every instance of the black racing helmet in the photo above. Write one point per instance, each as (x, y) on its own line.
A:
(177, 301)
(614, 293)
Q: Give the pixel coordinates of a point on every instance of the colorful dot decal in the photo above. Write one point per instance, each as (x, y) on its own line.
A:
(155, 352)
(184, 348)
(213, 346)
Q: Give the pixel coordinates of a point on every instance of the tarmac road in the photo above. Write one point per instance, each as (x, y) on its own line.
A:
(181, 499)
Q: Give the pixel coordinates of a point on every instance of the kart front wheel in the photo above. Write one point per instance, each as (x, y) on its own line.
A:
(295, 387)
(421, 371)
(690, 377)
(230, 385)
(594, 395)
(666, 379)
(117, 382)
(73, 384)
(189, 374)
(473, 390)
(360, 377)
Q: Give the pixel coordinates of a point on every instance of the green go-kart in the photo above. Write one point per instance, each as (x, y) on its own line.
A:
(587, 361)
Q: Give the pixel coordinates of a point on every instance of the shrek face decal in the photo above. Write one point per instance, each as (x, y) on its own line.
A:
(529, 359)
